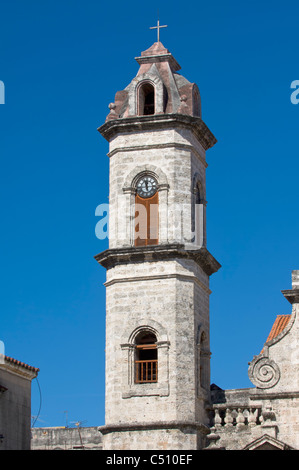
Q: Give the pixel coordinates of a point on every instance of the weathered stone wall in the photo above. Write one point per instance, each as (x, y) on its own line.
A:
(276, 369)
(168, 297)
(162, 289)
(183, 438)
(159, 296)
(63, 438)
(242, 416)
(15, 410)
(173, 156)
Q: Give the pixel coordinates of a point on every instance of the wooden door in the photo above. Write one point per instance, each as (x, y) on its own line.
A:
(146, 227)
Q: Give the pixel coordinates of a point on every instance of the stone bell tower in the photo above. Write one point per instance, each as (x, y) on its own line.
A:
(158, 265)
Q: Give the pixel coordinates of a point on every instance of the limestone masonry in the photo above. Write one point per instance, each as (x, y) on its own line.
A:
(158, 392)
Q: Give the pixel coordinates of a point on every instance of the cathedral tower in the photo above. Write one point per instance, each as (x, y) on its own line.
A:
(158, 265)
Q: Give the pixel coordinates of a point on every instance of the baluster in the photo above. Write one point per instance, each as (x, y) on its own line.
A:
(228, 418)
(251, 418)
(246, 414)
(240, 419)
(217, 419)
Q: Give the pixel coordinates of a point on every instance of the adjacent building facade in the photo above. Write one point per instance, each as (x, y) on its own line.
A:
(266, 416)
(66, 438)
(15, 404)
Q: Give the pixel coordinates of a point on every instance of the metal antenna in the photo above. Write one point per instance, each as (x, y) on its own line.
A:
(78, 424)
(66, 421)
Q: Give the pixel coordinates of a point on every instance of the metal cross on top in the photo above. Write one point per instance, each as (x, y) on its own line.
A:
(158, 29)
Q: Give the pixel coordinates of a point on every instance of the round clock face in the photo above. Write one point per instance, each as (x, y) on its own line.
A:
(146, 186)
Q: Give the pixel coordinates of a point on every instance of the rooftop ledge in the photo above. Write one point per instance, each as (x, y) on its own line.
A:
(160, 121)
(292, 295)
(147, 426)
(112, 257)
(153, 59)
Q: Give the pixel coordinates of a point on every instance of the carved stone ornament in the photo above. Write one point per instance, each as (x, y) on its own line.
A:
(263, 372)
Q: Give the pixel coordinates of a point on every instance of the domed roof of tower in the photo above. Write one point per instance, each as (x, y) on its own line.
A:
(158, 88)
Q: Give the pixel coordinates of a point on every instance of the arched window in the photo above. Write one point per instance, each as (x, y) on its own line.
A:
(197, 194)
(146, 100)
(195, 212)
(146, 358)
(146, 211)
(196, 107)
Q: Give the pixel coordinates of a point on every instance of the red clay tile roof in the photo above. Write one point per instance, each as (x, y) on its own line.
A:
(279, 325)
(22, 364)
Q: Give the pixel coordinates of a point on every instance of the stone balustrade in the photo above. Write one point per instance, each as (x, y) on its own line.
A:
(238, 416)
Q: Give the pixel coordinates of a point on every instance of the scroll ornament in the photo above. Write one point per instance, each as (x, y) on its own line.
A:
(263, 372)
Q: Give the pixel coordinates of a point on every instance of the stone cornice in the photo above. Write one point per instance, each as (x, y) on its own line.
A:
(257, 394)
(159, 121)
(146, 426)
(112, 257)
(292, 295)
(153, 59)
(19, 368)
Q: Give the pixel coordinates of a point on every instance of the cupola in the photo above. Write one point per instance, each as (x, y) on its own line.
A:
(158, 88)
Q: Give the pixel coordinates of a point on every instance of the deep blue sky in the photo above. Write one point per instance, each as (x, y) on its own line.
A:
(61, 63)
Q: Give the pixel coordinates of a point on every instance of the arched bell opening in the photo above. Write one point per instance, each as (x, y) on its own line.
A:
(146, 99)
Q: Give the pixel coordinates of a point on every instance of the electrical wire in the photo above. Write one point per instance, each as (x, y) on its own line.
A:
(40, 404)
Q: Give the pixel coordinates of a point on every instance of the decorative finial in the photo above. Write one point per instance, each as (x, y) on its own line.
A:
(158, 29)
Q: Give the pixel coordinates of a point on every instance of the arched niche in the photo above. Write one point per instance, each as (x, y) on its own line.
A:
(146, 87)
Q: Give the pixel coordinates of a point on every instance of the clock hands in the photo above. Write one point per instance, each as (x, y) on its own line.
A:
(147, 186)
